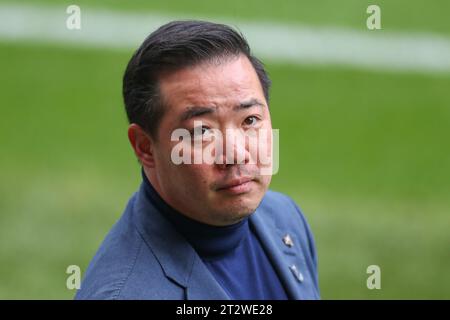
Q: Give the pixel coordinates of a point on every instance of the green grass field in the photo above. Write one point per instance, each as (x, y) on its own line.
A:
(364, 153)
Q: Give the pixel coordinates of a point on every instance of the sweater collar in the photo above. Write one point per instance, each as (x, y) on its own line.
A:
(210, 242)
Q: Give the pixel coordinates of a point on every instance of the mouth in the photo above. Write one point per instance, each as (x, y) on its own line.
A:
(237, 186)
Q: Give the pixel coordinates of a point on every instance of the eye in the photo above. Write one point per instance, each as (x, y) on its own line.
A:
(200, 131)
(251, 121)
(205, 130)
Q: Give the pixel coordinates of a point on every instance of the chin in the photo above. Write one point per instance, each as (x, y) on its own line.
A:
(235, 212)
(234, 208)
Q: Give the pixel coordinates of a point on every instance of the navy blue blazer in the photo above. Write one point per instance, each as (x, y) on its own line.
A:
(144, 257)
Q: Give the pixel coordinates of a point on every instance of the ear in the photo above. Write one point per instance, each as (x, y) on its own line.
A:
(142, 144)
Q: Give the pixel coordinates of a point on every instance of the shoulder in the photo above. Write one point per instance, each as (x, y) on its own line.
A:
(122, 263)
(285, 214)
(281, 206)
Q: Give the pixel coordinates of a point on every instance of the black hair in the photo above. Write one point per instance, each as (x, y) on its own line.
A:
(173, 46)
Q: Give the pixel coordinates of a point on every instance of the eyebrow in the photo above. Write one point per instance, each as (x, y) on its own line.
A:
(196, 111)
(248, 104)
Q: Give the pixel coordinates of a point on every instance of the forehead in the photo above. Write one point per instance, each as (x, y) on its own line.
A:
(222, 84)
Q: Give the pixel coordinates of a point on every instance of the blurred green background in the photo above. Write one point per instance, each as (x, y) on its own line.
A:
(364, 153)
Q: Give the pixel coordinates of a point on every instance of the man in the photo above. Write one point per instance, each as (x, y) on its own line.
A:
(201, 229)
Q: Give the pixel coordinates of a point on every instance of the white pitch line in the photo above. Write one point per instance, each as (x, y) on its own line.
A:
(380, 50)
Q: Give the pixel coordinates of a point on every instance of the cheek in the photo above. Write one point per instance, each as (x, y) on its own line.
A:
(201, 173)
(197, 177)
(265, 181)
(263, 150)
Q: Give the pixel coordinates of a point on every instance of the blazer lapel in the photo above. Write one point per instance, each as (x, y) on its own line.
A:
(176, 256)
(182, 264)
(202, 284)
(271, 240)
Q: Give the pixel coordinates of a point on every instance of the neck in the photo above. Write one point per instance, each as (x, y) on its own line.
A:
(208, 240)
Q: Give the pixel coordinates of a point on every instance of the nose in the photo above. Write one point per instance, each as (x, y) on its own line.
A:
(234, 148)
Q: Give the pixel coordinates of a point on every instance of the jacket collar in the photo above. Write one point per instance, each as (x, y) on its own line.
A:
(271, 235)
(177, 258)
(181, 263)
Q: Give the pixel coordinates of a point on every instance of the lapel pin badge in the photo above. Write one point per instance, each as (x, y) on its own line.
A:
(297, 274)
(288, 240)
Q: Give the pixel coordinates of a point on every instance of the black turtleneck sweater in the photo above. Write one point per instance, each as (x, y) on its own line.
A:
(232, 253)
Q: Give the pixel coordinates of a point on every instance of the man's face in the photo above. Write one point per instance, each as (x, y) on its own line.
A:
(222, 96)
